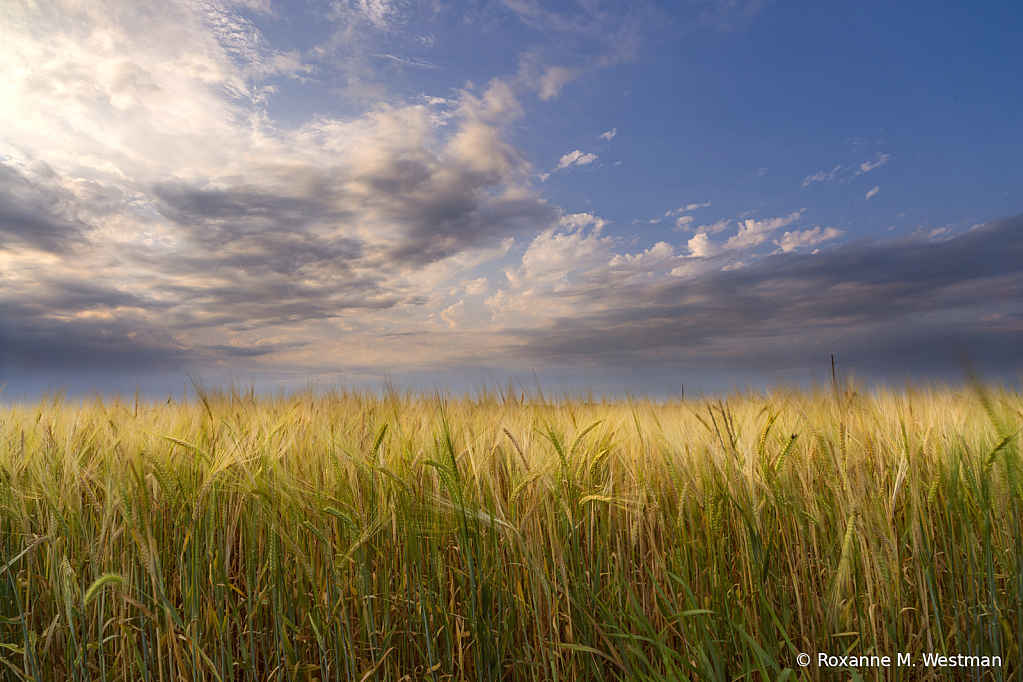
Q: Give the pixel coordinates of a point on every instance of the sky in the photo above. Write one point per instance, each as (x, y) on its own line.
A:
(619, 196)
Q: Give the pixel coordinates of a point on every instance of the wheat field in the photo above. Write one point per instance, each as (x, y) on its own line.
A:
(409, 535)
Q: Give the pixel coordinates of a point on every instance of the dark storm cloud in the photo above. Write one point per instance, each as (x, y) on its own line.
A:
(258, 230)
(233, 213)
(218, 293)
(434, 205)
(36, 337)
(36, 213)
(251, 351)
(443, 208)
(245, 306)
(77, 325)
(67, 296)
(857, 297)
(32, 340)
(446, 223)
(263, 257)
(431, 209)
(66, 323)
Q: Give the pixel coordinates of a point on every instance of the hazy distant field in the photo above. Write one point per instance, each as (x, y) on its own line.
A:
(345, 536)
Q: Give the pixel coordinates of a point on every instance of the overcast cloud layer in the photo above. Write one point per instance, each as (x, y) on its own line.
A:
(188, 188)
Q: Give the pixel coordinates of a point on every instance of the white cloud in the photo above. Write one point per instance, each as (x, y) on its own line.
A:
(499, 104)
(554, 78)
(790, 241)
(439, 274)
(453, 314)
(550, 262)
(754, 232)
(702, 247)
(686, 208)
(751, 233)
(380, 13)
(576, 158)
(477, 286)
(609, 135)
(870, 164)
(719, 226)
(683, 221)
(821, 176)
(661, 256)
(577, 222)
(873, 192)
(564, 269)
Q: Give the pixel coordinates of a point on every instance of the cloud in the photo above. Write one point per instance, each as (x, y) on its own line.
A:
(453, 314)
(577, 222)
(477, 286)
(68, 325)
(536, 15)
(557, 252)
(547, 266)
(410, 61)
(872, 192)
(40, 212)
(565, 269)
(751, 233)
(719, 226)
(554, 78)
(870, 164)
(821, 176)
(382, 14)
(686, 208)
(250, 351)
(659, 257)
(754, 232)
(702, 247)
(593, 36)
(199, 224)
(576, 158)
(790, 307)
(154, 216)
(682, 222)
(790, 241)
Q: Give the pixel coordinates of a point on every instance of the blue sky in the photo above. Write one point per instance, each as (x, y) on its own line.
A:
(618, 195)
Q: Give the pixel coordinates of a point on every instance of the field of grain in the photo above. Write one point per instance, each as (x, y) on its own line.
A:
(500, 536)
